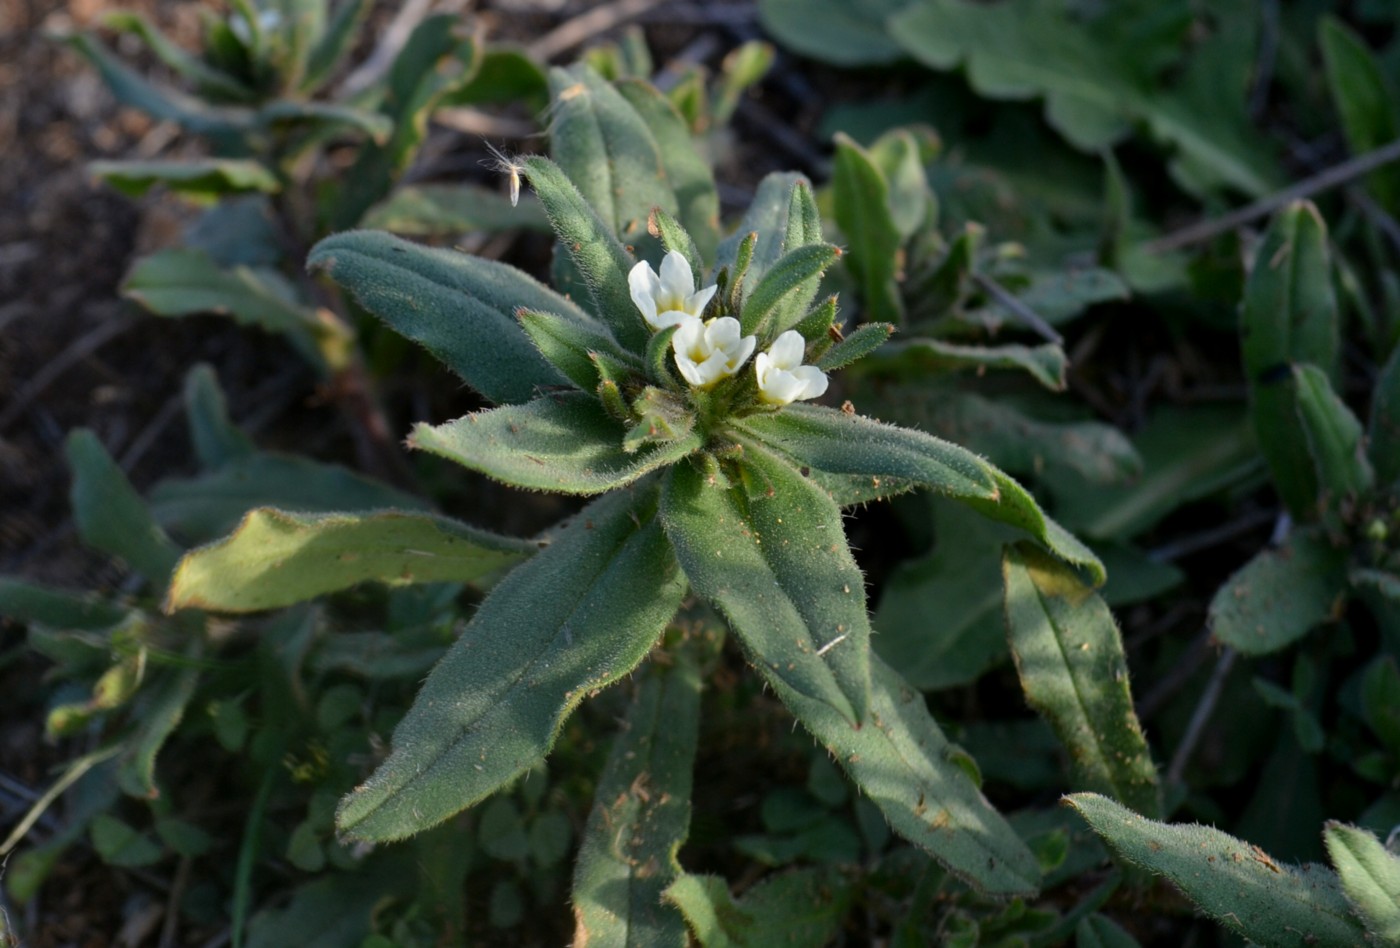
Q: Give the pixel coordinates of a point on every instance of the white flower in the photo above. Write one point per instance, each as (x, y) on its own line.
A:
(665, 299)
(782, 378)
(708, 352)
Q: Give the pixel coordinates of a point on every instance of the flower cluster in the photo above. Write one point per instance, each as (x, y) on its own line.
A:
(708, 350)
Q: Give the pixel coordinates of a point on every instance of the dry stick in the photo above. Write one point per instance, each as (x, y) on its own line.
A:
(1018, 309)
(1322, 181)
(585, 26)
(81, 348)
(1201, 716)
(1387, 224)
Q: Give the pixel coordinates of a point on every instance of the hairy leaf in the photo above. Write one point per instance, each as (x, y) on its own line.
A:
(573, 619)
(204, 179)
(1236, 883)
(805, 907)
(1370, 876)
(276, 558)
(1334, 438)
(565, 442)
(1365, 99)
(1069, 656)
(58, 608)
(439, 210)
(860, 195)
(1279, 595)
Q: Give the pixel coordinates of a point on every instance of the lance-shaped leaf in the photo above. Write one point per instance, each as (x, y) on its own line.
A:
(160, 713)
(838, 443)
(689, 175)
(57, 608)
(902, 761)
(1234, 882)
(573, 619)
(917, 357)
(804, 907)
(187, 282)
(861, 197)
(1370, 876)
(333, 42)
(111, 516)
(1334, 438)
(1365, 99)
(1070, 659)
(566, 442)
(607, 150)
(460, 308)
(592, 246)
(770, 553)
(859, 344)
(215, 439)
(276, 558)
(1280, 594)
(322, 118)
(1289, 315)
(133, 89)
(439, 210)
(641, 810)
(1383, 429)
(767, 217)
(569, 345)
(208, 80)
(204, 179)
(781, 297)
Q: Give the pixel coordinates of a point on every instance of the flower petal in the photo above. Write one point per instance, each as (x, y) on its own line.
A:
(814, 382)
(696, 302)
(787, 350)
(676, 279)
(644, 285)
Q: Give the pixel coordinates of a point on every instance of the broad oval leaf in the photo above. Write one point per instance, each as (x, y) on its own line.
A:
(1236, 883)
(459, 307)
(573, 619)
(1279, 595)
(565, 442)
(1069, 656)
(276, 558)
(770, 553)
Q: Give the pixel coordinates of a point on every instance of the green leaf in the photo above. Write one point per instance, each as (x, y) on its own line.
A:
(1383, 430)
(841, 32)
(916, 358)
(1236, 883)
(859, 344)
(501, 831)
(1070, 660)
(565, 442)
(188, 282)
(1380, 697)
(805, 907)
(161, 711)
(57, 608)
(1100, 931)
(133, 89)
(901, 760)
(1094, 83)
(209, 81)
(325, 117)
(608, 151)
(770, 553)
(767, 217)
(204, 179)
(121, 845)
(781, 297)
(111, 516)
(572, 620)
(641, 810)
(940, 619)
(1334, 437)
(203, 508)
(1365, 99)
(459, 307)
(1289, 315)
(1279, 595)
(860, 196)
(742, 67)
(1370, 878)
(216, 441)
(440, 210)
(333, 43)
(505, 75)
(569, 345)
(688, 174)
(593, 248)
(276, 558)
(838, 443)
